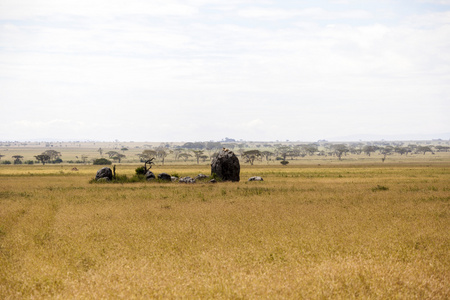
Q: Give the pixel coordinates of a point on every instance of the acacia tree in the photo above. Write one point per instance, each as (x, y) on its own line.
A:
(84, 158)
(368, 149)
(161, 154)
(118, 157)
(177, 152)
(17, 159)
(251, 155)
(266, 154)
(53, 154)
(340, 149)
(43, 158)
(385, 151)
(440, 148)
(147, 154)
(198, 154)
(284, 151)
(111, 154)
(311, 149)
(184, 156)
(424, 149)
(402, 150)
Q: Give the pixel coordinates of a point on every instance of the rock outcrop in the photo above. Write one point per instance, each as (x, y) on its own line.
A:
(104, 173)
(226, 166)
(165, 176)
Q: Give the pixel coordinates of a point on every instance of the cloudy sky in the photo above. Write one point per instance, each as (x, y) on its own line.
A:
(197, 70)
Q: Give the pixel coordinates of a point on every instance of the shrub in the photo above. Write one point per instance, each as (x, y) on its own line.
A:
(28, 162)
(6, 162)
(140, 171)
(102, 161)
(57, 161)
(380, 188)
(284, 162)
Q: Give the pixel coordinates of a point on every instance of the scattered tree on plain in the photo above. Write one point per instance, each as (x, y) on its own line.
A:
(339, 150)
(118, 157)
(111, 154)
(17, 159)
(251, 155)
(386, 151)
(424, 149)
(368, 149)
(184, 156)
(43, 158)
(197, 154)
(53, 154)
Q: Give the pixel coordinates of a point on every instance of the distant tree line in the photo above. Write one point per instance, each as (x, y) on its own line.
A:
(249, 152)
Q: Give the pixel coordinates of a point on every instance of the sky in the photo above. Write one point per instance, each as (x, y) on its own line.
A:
(200, 70)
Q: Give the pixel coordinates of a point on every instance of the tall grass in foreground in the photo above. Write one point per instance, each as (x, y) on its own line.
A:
(316, 232)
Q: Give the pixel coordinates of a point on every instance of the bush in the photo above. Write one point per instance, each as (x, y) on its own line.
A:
(102, 161)
(57, 161)
(284, 162)
(6, 162)
(140, 171)
(380, 188)
(29, 162)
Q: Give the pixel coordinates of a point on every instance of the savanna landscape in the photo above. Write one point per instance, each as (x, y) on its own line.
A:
(329, 220)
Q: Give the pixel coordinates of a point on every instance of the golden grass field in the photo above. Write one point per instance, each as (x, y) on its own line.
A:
(340, 231)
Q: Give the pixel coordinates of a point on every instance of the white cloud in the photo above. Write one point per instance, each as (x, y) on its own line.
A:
(315, 13)
(23, 9)
(443, 2)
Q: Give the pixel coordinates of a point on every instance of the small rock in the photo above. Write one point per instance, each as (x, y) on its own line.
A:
(187, 179)
(255, 178)
(200, 176)
(149, 175)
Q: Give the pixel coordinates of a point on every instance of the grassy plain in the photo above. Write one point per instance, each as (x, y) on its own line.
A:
(307, 231)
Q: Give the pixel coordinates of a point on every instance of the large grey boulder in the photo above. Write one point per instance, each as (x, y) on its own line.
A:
(104, 173)
(165, 176)
(226, 166)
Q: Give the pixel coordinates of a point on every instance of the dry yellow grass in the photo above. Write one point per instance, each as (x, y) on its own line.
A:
(351, 231)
